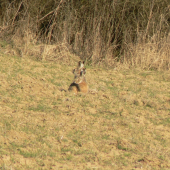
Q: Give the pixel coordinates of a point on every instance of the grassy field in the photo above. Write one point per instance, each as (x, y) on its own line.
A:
(122, 123)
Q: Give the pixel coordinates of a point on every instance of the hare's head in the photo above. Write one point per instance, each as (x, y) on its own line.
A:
(83, 72)
(79, 76)
(79, 68)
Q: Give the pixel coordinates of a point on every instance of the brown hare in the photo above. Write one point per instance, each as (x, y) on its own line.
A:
(79, 84)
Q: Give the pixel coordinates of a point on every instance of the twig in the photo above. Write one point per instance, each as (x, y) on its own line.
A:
(150, 17)
(55, 13)
(16, 13)
(47, 15)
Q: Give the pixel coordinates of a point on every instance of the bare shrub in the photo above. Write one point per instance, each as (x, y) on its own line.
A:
(100, 32)
(150, 50)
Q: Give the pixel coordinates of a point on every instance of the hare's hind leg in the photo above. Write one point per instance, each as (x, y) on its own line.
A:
(83, 87)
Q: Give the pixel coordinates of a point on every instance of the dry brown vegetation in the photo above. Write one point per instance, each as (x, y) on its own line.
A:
(122, 123)
(124, 120)
(134, 33)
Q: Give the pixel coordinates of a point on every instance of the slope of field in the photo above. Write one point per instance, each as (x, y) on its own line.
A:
(122, 123)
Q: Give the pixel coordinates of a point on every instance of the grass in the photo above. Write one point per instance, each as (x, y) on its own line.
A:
(122, 123)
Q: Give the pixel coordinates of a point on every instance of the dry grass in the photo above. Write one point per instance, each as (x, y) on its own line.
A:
(122, 123)
(102, 32)
(150, 55)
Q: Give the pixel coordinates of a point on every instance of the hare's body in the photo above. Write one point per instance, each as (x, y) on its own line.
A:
(79, 84)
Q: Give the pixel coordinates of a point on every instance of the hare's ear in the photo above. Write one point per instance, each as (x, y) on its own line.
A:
(80, 64)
